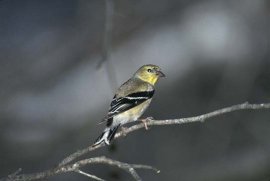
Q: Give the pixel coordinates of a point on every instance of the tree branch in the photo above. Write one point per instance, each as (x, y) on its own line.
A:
(130, 168)
(200, 118)
(67, 166)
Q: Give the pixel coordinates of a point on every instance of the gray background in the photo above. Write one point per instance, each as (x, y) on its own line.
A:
(214, 53)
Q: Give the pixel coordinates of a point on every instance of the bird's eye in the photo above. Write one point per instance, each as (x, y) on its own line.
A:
(149, 70)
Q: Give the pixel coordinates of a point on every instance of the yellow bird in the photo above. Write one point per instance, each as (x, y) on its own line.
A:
(130, 101)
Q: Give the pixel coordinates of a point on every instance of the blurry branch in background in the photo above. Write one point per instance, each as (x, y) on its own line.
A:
(107, 39)
(67, 166)
(107, 36)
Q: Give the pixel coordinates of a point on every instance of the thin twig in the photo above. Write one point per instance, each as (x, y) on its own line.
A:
(15, 173)
(89, 175)
(200, 118)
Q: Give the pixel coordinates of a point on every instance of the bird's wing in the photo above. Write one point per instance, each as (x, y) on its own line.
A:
(122, 104)
(130, 94)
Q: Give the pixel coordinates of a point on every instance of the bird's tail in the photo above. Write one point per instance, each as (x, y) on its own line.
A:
(106, 136)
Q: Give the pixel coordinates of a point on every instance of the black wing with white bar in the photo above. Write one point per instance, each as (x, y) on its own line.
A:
(123, 104)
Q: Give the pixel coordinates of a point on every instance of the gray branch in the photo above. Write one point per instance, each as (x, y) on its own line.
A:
(200, 118)
(67, 166)
(75, 167)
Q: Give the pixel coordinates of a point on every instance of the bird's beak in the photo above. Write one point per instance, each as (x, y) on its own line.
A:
(160, 74)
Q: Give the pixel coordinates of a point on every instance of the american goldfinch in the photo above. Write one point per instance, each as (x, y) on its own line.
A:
(130, 101)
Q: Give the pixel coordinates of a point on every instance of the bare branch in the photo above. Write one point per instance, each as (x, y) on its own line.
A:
(200, 118)
(15, 173)
(67, 166)
(130, 168)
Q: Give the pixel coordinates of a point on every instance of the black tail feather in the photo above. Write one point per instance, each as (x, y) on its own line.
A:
(106, 136)
(112, 132)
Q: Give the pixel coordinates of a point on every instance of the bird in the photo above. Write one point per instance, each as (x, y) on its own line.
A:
(130, 101)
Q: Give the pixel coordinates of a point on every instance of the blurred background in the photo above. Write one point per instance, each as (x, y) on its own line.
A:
(55, 88)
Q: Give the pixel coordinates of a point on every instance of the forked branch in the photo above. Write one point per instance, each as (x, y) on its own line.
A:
(75, 167)
(67, 166)
(200, 118)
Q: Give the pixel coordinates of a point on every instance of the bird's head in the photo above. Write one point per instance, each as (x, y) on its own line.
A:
(149, 73)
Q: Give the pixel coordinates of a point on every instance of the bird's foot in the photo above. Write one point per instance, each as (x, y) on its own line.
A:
(145, 122)
(124, 131)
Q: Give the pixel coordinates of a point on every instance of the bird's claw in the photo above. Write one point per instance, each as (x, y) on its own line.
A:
(145, 122)
(150, 118)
